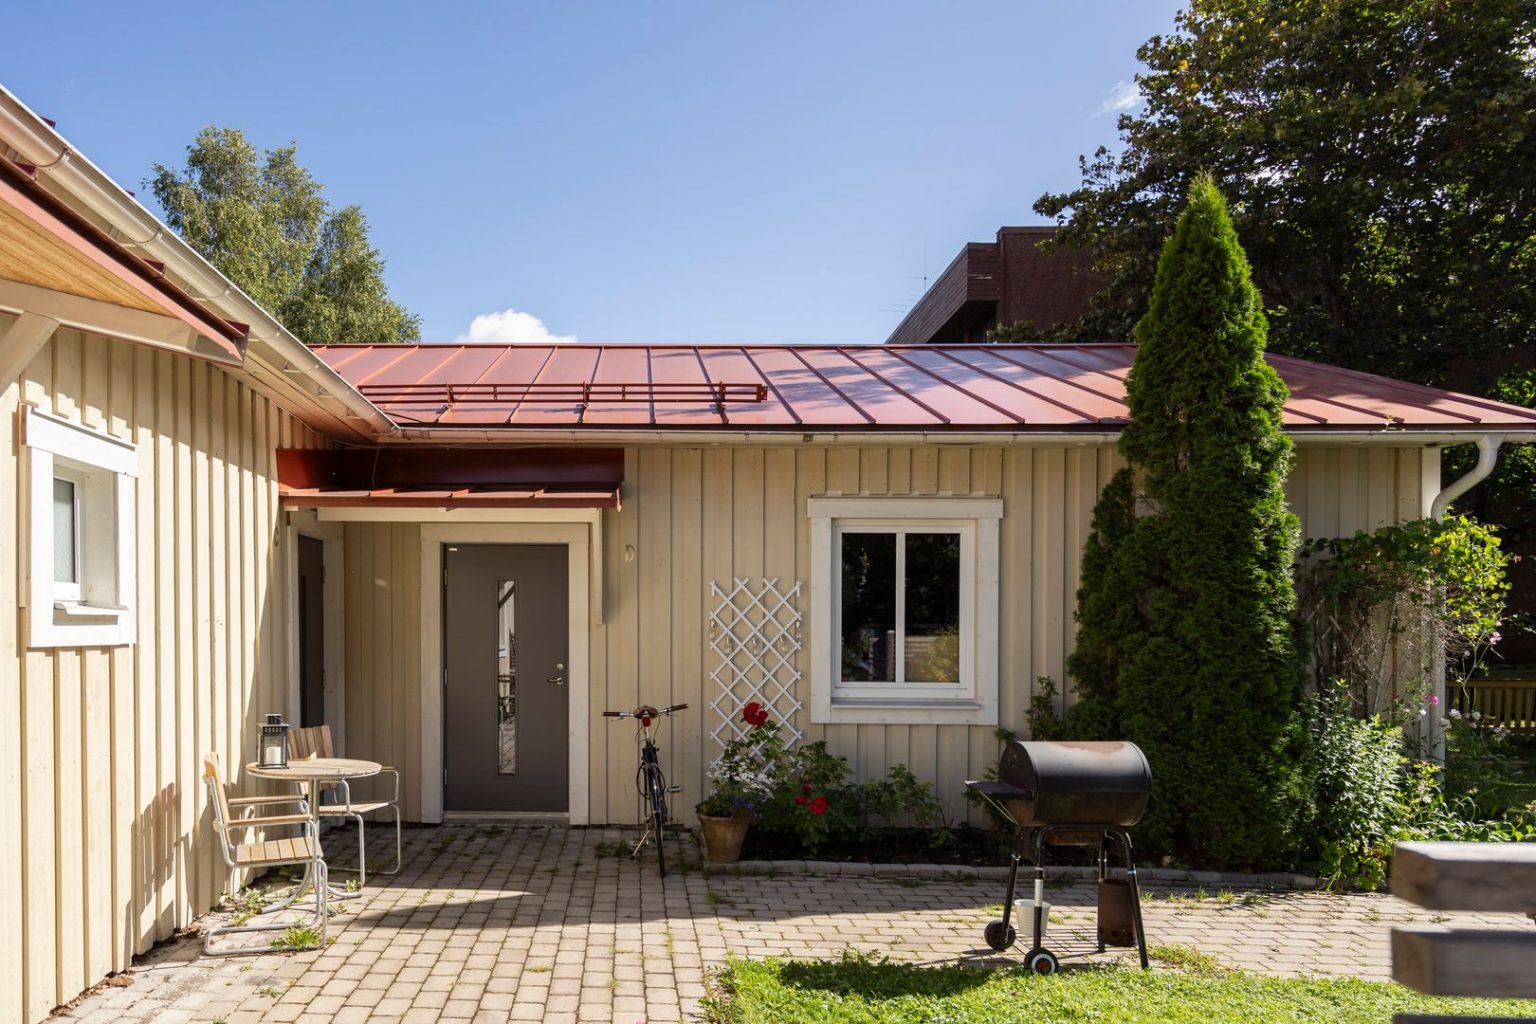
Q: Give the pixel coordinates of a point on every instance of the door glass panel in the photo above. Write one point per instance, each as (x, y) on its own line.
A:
(506, 677)
(65, 564)
(868, 607)
(932, 638)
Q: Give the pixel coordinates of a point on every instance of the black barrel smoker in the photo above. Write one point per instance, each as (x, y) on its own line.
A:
(1071, 794)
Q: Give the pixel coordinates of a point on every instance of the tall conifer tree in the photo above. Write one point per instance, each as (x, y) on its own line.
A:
(1186, 641)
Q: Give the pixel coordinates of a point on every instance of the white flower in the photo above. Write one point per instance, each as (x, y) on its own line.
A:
(1455, 713)
(1476, 716)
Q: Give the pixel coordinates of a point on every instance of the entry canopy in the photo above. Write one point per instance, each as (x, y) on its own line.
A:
(423, 477)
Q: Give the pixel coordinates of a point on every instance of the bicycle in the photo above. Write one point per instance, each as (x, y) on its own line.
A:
(650, 781)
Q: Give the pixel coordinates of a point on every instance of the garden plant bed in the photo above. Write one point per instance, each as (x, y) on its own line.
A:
(873, 992)
(975, 854)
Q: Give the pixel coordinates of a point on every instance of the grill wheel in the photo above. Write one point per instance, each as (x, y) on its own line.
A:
(1000, 936)
(1042, 961)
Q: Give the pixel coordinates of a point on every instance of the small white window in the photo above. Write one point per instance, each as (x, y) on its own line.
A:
(904, 616)
(67, 485)
(80, 519)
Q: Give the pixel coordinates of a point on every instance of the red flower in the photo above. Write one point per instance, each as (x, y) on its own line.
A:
(802, 800)
(806, 788)
(819, 806)
(755, 715)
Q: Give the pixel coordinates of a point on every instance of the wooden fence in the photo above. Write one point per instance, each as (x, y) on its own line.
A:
(1507, 702)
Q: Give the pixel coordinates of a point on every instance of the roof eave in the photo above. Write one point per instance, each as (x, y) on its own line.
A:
(277, 363)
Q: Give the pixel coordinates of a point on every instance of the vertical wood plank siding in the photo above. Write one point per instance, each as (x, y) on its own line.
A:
(694, 515)
(106, 845)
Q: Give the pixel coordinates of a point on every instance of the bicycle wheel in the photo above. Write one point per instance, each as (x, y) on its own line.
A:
(658, 786)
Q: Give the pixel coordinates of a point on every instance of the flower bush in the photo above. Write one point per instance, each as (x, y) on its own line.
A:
(805, 791)
(749, 770)
(1369, 795)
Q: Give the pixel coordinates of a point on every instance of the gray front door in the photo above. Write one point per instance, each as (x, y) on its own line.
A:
(505, 684)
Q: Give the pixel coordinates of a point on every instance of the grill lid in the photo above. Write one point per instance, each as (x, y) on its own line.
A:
(1074, 783)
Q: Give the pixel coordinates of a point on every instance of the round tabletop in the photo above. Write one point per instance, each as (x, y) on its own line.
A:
(317, 769)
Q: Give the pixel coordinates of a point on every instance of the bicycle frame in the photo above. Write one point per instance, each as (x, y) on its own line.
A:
(650, 781)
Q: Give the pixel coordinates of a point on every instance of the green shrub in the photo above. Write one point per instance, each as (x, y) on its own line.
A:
(1355, 769)
(1369, 796)
(1382, 606)
(902, 799)
(1043, 722)
(1186, 643)
(1487, 769)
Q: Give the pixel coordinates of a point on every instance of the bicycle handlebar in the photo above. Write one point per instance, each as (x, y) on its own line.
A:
(645, 711)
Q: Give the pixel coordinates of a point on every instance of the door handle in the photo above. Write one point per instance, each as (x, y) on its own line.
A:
(558, 680)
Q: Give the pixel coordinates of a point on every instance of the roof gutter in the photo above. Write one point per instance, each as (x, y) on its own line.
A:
(1487, 458)
(592, 435)
(41, 146)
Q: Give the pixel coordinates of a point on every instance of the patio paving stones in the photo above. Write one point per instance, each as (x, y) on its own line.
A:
(513, 923)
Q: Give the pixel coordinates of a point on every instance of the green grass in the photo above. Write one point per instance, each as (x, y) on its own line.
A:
(861, 990)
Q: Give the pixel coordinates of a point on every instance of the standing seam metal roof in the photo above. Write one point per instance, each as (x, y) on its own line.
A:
(1007, 388)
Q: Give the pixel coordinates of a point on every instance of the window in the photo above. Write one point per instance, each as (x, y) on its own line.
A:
(904, 610)
(81, 524)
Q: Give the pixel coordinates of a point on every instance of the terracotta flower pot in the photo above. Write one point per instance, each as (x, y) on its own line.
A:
(723, 837)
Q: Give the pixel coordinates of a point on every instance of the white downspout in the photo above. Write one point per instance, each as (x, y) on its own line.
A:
(1487, 458)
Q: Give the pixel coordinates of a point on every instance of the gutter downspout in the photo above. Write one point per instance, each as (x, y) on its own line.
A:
(1487, 458)
(38, 143)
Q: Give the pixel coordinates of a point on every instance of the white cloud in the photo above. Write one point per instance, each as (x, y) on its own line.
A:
(1121, 96)
(511, 327)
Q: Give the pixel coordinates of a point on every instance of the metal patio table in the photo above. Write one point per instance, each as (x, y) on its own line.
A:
(315, 773)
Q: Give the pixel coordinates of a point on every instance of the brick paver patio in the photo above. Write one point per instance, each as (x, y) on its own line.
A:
(508, 923)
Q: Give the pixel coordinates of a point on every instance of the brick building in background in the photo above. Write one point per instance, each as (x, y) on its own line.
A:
(1001, 282)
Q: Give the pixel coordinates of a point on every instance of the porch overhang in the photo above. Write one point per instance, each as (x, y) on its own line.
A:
(449, 478)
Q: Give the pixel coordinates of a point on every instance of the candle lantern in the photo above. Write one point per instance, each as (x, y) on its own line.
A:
(274, 743)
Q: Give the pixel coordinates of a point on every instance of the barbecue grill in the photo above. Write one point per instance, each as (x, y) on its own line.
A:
(1071, 794)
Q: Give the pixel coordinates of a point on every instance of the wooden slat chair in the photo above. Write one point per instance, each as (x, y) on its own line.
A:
(259, 855)
(315, 741)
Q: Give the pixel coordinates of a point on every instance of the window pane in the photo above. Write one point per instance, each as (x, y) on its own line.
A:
(932, 651)
(65, 564)
(506, 677)
(869, 607)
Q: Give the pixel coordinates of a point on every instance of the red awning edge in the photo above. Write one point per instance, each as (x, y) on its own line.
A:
(421, 477)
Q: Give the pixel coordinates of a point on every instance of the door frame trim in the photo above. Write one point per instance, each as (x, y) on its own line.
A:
(576, 540)
(334, 614)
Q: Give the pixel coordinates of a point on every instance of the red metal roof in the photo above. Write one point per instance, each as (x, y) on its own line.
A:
(1007, 388)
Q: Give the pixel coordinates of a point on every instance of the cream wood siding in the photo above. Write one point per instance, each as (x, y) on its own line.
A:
(106, 844)
(693, 515)
(382, 593)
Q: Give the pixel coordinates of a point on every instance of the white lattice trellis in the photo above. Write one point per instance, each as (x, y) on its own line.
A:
(756, 635)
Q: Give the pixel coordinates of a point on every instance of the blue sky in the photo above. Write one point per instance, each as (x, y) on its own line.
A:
(640, 171)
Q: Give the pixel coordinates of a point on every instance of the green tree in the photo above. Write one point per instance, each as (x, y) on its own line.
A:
(1186, 643)
(263, 220)
(1378, 159)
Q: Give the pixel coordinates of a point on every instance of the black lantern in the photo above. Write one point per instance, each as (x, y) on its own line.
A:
(274, 743)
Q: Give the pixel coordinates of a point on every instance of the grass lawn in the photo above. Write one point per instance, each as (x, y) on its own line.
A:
(863, 991)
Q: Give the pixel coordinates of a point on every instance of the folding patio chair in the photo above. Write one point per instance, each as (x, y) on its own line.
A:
(315, 741)
(259, 855)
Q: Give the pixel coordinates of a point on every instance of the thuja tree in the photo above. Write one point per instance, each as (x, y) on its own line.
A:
(1186, 642)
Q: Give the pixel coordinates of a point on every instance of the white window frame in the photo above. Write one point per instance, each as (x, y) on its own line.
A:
(79, 481)
(97, 611)
(973, 701)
